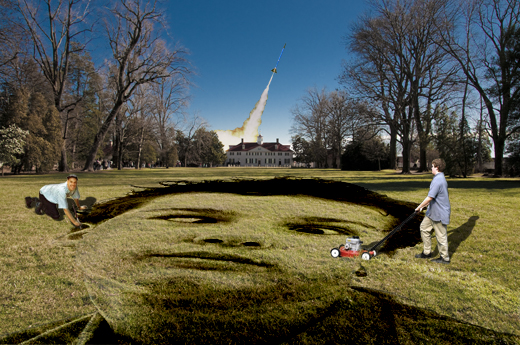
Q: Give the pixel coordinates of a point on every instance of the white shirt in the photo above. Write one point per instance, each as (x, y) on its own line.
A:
(58, 193)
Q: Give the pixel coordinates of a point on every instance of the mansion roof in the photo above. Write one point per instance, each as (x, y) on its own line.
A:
(272, 147)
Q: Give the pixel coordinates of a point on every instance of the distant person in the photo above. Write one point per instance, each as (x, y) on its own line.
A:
(54, 196)
(437, 215)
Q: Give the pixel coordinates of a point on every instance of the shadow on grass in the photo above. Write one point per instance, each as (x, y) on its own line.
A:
(459, 235)
(401, 185)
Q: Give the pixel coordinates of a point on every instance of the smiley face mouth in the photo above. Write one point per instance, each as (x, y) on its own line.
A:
(206, 261)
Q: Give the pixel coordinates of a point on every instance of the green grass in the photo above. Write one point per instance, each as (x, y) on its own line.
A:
(42, 263)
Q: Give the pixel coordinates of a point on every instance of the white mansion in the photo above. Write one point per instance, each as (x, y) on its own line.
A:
(260, 154)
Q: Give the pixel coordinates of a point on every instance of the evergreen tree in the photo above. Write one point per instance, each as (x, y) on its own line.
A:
(455, 143)
(36, 115)
(368, 155)
(211, 148)
(513, 151)
(11, 145)
(302, 150)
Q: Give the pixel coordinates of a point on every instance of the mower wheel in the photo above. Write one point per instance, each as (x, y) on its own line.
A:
(334, 252)
(366, 256)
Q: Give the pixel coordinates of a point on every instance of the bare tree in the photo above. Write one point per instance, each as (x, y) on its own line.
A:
(10, 33)
(139, 56)
(431, 73)
(483, 43)
(169, 99)
(380, 73)
(310, 123)
(57, 30)
(347, 117)
(143, 122)
(192, 125)
(400, 67)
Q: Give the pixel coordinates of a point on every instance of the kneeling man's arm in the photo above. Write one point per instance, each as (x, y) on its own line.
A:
(71, 218)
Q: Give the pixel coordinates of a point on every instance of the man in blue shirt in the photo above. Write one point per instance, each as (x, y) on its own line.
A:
(437, 215)
(54, 197)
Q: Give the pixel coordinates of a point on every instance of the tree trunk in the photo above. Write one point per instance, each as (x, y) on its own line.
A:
(479, 147)
(499, 156)
(74, 156)
(140, 149)
(393, 148)
(63, 166)
(423, 164)
(406, 156)
(120, 155)
(100, 136)
(407, 144)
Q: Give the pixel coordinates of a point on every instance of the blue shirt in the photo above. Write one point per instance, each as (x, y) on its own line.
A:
(58, 193)
(439, 208)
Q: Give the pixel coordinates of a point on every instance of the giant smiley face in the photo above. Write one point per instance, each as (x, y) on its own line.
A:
(198, 264)
(227, 263)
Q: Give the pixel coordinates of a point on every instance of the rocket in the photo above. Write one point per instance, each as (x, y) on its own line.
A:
(274, 69)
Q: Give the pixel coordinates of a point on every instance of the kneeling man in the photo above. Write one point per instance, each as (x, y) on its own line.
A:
(54, 197)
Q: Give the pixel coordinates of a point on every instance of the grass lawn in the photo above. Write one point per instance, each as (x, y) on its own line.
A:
(50, 273)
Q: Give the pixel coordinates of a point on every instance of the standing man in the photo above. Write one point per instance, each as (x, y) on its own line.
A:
(437, 215)
(54, 197)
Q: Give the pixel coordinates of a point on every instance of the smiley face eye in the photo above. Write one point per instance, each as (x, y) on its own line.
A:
(212, 240)
(251, 244)
(183, 218)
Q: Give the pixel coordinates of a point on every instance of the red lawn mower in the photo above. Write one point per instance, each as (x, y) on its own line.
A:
(352, 246)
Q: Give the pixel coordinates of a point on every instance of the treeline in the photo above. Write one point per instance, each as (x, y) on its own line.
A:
(441, 78)
(73, 111)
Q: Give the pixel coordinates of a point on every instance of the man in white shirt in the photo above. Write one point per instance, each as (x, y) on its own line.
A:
(54, 197)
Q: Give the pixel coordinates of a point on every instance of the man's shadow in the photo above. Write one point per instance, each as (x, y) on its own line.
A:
(458, 235)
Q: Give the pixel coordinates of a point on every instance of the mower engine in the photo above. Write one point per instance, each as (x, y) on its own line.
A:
(352, 248)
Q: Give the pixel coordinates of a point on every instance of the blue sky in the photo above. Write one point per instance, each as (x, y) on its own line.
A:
(235, 44)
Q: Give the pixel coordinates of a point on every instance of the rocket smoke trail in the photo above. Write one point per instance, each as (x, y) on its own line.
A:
(249, 129)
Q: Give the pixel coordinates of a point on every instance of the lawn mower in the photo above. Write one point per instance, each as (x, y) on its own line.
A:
(352, 246)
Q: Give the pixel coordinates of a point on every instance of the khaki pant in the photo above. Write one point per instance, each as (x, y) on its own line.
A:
(441, 233)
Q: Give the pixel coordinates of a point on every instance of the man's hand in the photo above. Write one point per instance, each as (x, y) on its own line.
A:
(71, 218)
(423, 204)
(83, 207)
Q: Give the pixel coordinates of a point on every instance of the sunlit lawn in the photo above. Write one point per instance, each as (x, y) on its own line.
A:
(42, 282)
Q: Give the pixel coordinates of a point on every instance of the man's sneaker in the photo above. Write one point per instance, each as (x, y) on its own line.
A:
(38, 209)
(423, 256)
(28, 201)
(440, 260)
